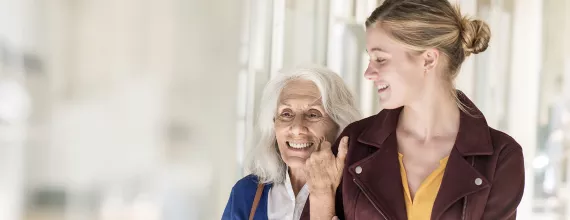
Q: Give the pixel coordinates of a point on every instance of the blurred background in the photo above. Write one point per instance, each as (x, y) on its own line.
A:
(144, 109)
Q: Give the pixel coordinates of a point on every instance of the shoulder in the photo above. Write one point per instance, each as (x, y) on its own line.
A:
(242, 196)
(362, 124)
(248, 183)
(503, 142)
(247, 186)
(505, 146)
(244, 190)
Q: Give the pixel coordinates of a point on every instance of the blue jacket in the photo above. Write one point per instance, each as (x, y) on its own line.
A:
(241, 200)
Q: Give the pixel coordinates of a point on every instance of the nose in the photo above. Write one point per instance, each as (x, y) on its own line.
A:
(370, 73)
(299, 126)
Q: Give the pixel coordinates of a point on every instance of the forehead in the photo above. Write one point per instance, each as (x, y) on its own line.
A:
(300, 90)
(378, 38)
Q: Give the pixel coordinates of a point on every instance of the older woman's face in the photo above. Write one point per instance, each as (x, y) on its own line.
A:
(301, 121)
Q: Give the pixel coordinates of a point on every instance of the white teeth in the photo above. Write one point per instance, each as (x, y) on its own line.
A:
(299, 145)
(382, 86)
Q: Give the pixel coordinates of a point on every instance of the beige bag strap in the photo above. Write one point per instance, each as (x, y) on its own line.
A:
(256, 200)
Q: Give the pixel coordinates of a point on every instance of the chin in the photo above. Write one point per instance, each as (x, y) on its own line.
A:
(295, 163)
(389, 105)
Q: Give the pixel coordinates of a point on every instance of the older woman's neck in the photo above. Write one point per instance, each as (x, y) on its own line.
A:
(298, 180)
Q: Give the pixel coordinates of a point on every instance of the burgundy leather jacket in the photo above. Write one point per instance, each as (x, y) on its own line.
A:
(484, 177)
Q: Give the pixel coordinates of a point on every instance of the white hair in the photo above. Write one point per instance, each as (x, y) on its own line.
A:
(264, 160)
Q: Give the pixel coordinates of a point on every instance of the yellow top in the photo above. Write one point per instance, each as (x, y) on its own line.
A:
(420, 208)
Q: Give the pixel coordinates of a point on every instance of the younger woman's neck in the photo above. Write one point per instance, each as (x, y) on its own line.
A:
(434, 115)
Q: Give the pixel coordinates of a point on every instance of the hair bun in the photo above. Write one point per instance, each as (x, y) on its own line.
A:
(475, 36)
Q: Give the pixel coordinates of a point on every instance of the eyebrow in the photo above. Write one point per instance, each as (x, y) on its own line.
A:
(374, 49)
(317, 102)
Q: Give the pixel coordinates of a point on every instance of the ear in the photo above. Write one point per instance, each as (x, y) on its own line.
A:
(430, 59)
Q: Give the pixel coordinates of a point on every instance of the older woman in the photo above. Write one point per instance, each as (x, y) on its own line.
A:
(298, 110)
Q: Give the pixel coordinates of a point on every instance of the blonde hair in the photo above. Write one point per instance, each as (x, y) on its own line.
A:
(425, 24)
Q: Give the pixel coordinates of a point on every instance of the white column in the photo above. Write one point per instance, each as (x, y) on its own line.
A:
(523, 96)
(305, 32)
(203, 100)
(260, 43)
(14, 107)
(566, 97)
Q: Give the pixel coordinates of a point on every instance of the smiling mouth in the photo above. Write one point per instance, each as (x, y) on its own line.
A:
(383, 87)
(299, 145)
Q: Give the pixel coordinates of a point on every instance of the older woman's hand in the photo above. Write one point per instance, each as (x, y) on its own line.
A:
(324, 170)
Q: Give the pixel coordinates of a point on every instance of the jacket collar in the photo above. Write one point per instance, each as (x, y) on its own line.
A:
(472, 139)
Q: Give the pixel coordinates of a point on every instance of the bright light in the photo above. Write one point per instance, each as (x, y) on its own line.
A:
(540, 162)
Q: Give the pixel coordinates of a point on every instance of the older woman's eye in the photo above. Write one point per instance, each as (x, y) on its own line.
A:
(286, 115)
(314, 114)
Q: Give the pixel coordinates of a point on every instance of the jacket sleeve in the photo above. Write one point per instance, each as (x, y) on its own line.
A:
(508, 185)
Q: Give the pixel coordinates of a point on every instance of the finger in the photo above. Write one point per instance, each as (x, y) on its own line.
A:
(319, 145)
(342, 150)
(326, 146)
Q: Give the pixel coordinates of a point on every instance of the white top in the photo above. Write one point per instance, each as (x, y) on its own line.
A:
(281, 201)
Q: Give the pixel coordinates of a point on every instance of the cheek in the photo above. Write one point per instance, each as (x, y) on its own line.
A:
(280, 130)
(413, 71)
(408, 77)
(280, 136)
(326, 128)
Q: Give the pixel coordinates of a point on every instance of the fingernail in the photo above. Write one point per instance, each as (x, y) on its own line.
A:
(345, 139)
(335, 218)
